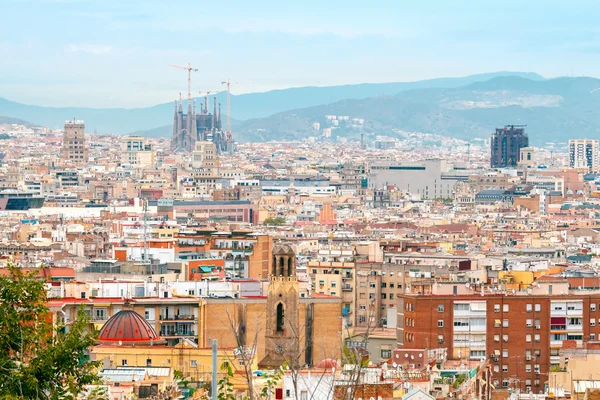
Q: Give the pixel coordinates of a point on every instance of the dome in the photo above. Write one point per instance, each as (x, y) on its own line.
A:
(128, 328)
(328, 363)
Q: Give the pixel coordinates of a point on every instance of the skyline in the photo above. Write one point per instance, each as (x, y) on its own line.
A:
(113, 54)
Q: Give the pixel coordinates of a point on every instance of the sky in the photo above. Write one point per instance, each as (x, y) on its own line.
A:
(117, 53)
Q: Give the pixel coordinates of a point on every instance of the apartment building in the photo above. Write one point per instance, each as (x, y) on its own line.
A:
(583, 153)
(335, 279)
(519, 332)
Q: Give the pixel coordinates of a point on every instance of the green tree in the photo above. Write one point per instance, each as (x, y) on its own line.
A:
(37, 359)
(274, 221)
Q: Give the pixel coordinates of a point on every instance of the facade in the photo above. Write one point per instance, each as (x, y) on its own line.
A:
(429, 179)
(520, 334)
(506, 145)
(135, 151)
(205, 167)
(74, 148)
(527, 157)
(583, 153)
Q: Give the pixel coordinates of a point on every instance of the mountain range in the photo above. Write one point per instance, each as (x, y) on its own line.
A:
(467, 107)
(554, 110)
(244, 107)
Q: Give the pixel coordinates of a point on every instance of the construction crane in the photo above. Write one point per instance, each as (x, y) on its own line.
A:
(189, 69)
(228, 83)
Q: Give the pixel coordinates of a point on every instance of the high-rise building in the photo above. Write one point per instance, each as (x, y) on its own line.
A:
(74, 147)
(506, 146)
(583, 153)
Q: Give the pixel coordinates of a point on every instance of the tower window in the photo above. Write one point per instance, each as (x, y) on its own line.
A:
(280, 317)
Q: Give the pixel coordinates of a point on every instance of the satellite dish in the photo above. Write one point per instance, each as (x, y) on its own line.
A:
(394, 365)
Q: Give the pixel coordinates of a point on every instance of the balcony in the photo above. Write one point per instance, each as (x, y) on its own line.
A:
(556, 343)
(180, 317)
(97, 318)
(346, 288)
(167, 333)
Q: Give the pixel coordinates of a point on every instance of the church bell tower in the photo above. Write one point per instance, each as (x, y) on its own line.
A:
(282, 331)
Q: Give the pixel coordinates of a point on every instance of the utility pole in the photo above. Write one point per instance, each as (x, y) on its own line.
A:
(213, 389)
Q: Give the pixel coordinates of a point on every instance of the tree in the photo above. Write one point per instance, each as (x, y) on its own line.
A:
(37, 359)
(274, 221)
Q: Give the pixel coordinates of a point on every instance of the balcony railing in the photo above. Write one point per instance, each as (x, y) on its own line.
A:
(185, 317)
(169, 333)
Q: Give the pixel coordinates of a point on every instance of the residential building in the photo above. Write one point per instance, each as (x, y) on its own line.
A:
(583, 153)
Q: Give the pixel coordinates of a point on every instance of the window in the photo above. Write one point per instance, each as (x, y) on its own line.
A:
(504, 307)
(529, 307)
(528, 368)
(496, 368)
(280, 317)
(504, 368)
(537, 337)
(538, 307)
(440, 323)
(497, 338)
(363, 307)
(123, 362)
(505, 338)
(504, 383)
(386, 353)
(505, 323)
(592, 336)
(536, 368)
(528, 337)
(148, 362)
(505, 353)
(496, 307)
(592, 307)
(592, 321)
(440, 339)
(193, 363)
(440, 308)
(497, 323)
(529, 323)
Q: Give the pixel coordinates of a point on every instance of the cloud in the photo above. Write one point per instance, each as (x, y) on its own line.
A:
(95, 49)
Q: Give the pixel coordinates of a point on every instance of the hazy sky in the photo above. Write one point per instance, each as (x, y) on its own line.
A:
(117, 52)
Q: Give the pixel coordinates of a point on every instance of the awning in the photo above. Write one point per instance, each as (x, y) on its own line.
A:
(497, 352)
(498, 322)
(448, 373)
(98, 325)
(558, 321)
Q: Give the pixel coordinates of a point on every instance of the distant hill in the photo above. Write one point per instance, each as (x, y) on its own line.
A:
(555, 109)
(244, 107)
(11, 120)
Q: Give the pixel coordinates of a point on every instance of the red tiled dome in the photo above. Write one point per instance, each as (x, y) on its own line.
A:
(328, 363)
(129, 328)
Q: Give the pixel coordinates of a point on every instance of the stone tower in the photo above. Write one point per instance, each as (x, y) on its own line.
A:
(282, 333)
